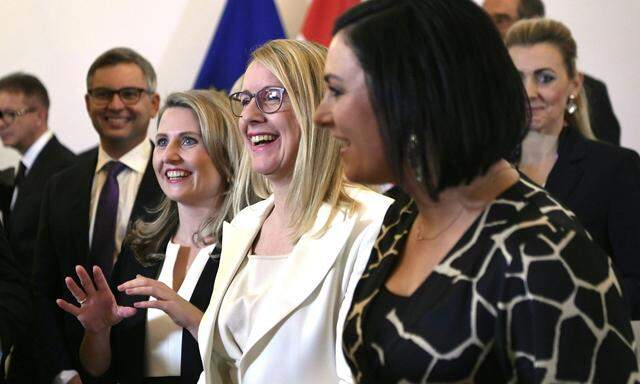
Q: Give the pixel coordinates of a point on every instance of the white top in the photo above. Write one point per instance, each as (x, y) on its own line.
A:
(163, 341)
(238, 309)
(128, 183)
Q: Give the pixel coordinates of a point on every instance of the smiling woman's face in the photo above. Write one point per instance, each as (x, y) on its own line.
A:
(272, 139)
(348, 114)
(547, 82)
(182, 165)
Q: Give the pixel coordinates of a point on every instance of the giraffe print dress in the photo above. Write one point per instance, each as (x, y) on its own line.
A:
(524, 296)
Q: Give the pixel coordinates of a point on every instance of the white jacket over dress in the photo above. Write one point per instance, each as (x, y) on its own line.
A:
(297, 333)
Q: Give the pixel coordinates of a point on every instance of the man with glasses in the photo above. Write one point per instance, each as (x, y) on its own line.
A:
(89, 206)
(24, 110)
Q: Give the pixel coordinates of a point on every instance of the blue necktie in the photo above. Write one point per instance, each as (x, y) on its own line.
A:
(104, 227)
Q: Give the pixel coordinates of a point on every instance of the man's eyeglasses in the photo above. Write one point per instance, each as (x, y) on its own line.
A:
(103, 96)
(9, 116)
(268, 100)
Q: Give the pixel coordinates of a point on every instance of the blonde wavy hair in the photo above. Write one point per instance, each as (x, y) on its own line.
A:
(317, 175)
(540, 30)
(223, 144)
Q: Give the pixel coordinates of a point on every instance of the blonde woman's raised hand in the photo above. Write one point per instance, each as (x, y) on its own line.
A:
(182, 312)
(98, 309)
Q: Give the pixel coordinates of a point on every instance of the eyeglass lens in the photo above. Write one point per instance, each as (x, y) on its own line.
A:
(9, 116)
(103, 96)
(269, 100)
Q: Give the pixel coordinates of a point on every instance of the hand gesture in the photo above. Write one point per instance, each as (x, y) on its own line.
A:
(182, 312)
(98, 310)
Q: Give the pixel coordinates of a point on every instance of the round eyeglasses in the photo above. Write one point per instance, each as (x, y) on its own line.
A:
(268, 100)
(100, 97)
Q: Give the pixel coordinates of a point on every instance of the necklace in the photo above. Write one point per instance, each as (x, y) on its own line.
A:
(421, 237)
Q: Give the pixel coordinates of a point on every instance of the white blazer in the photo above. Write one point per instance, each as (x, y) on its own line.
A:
(299, 336)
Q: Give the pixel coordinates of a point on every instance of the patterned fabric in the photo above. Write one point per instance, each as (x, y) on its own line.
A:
(524, 296)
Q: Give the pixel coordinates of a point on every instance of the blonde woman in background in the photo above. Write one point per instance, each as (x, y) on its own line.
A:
(599, 182)
(147, 332)
(289, 263)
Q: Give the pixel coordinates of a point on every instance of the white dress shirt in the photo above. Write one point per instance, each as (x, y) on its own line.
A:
(129, 180)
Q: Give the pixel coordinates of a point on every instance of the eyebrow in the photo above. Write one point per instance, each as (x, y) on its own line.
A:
(330, 76)
(183, 133)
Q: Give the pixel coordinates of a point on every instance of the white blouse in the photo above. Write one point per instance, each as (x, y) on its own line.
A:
(238, 310)
(163, 341)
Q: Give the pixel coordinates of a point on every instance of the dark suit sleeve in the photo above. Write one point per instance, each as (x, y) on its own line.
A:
(604, 124)
(624, 226)
(15, 300)
(51, 350)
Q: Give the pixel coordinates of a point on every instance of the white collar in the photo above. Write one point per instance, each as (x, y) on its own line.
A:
(136, 159)
(34, 150)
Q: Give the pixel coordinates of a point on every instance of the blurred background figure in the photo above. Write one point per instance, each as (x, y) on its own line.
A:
(24, 112)
(478, 274)
(599, 182)
(196, 157)
(604, 123)
(15, 305)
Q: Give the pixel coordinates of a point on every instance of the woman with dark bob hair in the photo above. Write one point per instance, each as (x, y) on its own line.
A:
(478, 275)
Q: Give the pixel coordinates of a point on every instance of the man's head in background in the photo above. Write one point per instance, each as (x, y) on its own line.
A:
(121, 99)
(505, 13)
(24, 110)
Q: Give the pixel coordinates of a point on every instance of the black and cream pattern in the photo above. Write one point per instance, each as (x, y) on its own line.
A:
(524, 296)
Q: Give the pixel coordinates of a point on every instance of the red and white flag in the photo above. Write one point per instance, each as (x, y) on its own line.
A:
(321, 15)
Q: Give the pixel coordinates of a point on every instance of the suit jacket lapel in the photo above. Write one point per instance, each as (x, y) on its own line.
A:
(310, 261)
(567, 171)
(40, 170)
(79, 213)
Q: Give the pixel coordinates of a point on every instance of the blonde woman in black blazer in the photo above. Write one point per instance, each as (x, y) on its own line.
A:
(600, 183)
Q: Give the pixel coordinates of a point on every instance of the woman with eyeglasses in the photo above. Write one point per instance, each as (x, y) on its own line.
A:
(289, 262)
(478, 275)
(146, 331)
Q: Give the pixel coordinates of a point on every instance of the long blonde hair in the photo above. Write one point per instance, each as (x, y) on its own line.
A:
(536, 31)
(317, 175)
(223, 144)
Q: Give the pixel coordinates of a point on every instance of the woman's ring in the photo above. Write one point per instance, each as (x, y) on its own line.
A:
(82, 301)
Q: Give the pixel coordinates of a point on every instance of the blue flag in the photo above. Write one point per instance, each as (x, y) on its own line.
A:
(244, 26)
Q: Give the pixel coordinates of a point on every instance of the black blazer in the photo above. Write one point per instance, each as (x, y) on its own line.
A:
(22, 229)
(600, 183)
(128, 337)
(63, 243)
(604, 123)
(15, 302)
(22, 223)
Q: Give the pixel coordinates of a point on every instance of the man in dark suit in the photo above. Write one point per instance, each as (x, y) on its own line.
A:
(24, 106)
(604, 124)
(88, 207)
(15, 303)
(24, 110)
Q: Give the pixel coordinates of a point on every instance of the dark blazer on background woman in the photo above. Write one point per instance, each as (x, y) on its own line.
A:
(128, 337)
(600, 183)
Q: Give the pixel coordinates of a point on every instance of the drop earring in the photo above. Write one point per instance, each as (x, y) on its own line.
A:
(572, 107)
